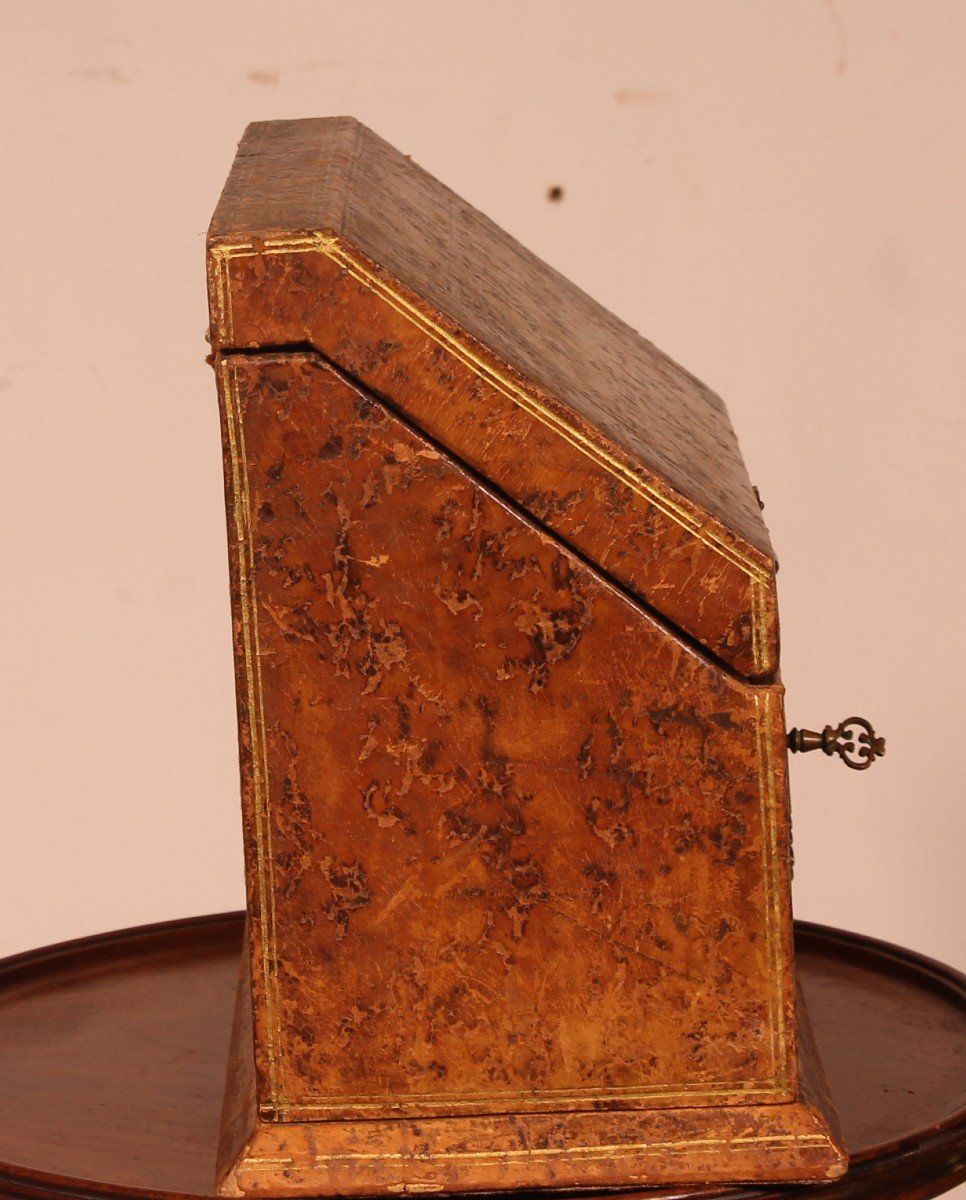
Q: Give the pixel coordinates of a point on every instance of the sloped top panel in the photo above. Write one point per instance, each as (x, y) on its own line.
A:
(326, 234)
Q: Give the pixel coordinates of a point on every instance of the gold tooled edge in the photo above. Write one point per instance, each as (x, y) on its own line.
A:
(585, 1153)
(241, 511)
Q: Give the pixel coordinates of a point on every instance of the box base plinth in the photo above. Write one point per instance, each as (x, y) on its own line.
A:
(795, 1142)
(777, 1143)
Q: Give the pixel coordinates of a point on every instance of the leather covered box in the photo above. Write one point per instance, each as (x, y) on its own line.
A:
(513, 749)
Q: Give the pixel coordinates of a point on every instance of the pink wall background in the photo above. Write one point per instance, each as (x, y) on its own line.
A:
(770, 192)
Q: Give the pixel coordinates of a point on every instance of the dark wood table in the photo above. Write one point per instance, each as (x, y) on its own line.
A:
(113, 1052)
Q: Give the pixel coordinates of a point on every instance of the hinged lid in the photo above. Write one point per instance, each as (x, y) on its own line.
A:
(325, 235)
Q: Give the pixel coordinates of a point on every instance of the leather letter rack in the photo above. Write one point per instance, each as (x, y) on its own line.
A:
(513, 750)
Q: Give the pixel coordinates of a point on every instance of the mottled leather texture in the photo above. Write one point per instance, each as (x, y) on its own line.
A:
(517, 841)
(325, 235)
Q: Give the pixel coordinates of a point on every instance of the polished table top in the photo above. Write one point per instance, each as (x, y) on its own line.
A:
(113, 1054)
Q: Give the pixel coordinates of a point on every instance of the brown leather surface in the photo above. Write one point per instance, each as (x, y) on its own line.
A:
(512, 746)
(778, 1143)
(327, 235)
(512, 842)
